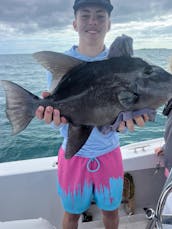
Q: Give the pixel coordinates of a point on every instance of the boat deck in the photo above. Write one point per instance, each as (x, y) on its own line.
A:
(138, 220)
(127, 222)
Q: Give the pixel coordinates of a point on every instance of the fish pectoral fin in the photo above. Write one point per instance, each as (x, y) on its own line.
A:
(127, 99)
(77, 136)
(57, 63)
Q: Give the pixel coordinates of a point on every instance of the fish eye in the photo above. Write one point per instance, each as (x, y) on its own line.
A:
(148, 70)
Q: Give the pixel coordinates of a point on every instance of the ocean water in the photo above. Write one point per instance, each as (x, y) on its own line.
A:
(39, 139)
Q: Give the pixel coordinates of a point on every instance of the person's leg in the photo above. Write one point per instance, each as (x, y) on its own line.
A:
(110, 219)
(70, 221)
(108, 186)
(74, 188)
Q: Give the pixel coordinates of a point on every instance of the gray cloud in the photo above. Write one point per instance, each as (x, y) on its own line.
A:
(133, 10)
(35, 15)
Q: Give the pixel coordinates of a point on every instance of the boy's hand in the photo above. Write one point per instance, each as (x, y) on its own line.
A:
(139, 121)
(159, 151)
(49, 114)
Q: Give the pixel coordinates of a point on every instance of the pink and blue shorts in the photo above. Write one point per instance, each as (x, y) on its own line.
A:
(81, 180)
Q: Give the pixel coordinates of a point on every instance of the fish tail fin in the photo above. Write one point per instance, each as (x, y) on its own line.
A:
(20, 105)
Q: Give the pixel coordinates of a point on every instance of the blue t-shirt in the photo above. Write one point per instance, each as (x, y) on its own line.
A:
(98, 143)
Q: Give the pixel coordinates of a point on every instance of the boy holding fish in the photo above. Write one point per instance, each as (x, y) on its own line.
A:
(96, 171)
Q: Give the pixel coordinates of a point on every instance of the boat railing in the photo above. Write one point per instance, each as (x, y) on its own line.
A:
(158, 218)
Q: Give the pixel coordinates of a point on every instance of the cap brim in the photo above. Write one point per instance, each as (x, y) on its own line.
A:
(106, 6)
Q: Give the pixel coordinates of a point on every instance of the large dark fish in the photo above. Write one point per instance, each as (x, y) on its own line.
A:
(90, 94)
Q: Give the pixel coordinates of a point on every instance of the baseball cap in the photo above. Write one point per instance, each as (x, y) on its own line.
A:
(106, 4)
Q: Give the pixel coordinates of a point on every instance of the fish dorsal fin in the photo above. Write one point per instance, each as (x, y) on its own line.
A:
(122, 46)
(57, 63)
(127, 98)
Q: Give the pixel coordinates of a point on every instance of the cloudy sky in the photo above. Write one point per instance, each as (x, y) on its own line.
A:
(31, 25)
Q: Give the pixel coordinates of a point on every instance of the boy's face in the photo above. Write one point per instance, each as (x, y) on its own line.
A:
(92, 23)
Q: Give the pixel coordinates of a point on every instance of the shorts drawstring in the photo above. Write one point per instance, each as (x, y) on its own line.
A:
(89, 162)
